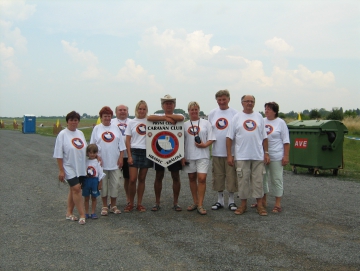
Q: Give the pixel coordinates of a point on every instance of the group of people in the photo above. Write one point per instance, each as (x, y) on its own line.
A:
(248, 153)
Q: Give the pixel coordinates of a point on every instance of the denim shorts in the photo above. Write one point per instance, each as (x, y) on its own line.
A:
(90, 187)
(139, 159)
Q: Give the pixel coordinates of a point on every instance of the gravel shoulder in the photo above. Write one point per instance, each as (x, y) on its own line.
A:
(319, 228)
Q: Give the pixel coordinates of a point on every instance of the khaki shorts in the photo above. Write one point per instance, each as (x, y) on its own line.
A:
(250, 175)
(223, 175)
(111, 183)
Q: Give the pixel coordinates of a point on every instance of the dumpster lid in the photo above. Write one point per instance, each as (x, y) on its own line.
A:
(29, 115)
(324, 125)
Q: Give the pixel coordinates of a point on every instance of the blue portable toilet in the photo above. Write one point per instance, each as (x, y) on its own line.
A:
(29, 126)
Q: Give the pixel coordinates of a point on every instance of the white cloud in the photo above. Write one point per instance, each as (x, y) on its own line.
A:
(180, 51)
(137, 74)
(16, 9)
(13, 36)
(85, 58)
(279, 45)
(8, 66)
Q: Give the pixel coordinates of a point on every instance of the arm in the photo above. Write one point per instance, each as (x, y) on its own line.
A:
(60, 163)
(230, 158)
(266, 151)
(128, 149)
(121, 159)
(285, 159)
(204, 145)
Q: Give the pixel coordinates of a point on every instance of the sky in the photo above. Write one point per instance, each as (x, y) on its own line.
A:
(59, 56)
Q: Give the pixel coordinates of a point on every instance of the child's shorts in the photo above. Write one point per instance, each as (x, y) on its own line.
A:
(90, 187)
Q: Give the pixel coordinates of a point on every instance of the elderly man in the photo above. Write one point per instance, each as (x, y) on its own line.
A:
(224, 176)
(121, 121)
(168, 104)
(251, 153)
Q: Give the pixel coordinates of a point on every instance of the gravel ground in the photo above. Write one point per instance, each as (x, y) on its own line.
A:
(319, 228)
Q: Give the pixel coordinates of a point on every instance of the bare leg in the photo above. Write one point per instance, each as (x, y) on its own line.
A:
(132, 184)
(77, 199)
(158, 185)
(93, 205)
(278, 201)
(201, 187)
(70, 204)
(193, 187)
(141, 184)
(126, 188)
(87, 204)
(104, 201)
(176, 185)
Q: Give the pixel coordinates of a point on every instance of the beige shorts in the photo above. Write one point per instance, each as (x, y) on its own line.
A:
(250, 176)
(111, 183)
(223, 175)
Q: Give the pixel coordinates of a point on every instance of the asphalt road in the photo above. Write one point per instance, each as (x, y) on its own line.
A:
(319, 228)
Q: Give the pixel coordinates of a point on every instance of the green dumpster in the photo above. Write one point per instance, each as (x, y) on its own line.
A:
(316, 144)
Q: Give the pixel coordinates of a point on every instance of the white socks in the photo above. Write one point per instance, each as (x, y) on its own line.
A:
(221, 198)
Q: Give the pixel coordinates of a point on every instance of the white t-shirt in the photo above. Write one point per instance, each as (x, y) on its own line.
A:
(220, 120)
(110, 142)
(278, 135)
(137, 130)
(121, 124)
(71, 147)
(93, 169)
(205, 131)
(248, 131)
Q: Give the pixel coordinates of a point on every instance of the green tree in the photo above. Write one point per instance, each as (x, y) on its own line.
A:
(314, 114)
(336, 114)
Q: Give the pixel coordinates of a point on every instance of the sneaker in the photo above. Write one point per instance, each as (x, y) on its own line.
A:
(94, 216)
(87, 216)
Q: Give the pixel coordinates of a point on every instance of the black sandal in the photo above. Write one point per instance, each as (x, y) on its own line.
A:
(177, 208)
(155, 208)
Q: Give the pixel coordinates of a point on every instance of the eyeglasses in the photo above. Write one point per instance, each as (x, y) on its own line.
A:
(248, 102)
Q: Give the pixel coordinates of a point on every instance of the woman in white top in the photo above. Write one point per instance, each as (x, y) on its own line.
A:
(198, 137)
(136, 149)
(111, 146)
(279, 145)
(70, 152)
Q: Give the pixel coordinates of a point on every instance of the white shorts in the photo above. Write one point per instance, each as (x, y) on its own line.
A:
(199, 166)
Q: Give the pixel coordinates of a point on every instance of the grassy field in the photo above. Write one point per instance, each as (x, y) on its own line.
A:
(351, 147)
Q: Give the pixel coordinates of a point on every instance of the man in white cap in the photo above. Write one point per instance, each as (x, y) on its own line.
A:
(121, 121)
(168, 104)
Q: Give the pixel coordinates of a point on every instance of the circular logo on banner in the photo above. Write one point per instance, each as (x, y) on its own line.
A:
(222, 123)
(249, 125)
(122, 128)
(108, 137)
(141, 129)
(165, 144)
(91, 171)
(77, 143)
(269, 129)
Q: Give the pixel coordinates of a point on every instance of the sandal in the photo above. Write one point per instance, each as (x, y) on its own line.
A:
(177, 208)
(232, 207)
(128, 208)
(115, 210)
(82, 221)
(192, 207)
(141, 208)
(93, 216)
(72, 218)
(104, 211)
(240, 210)
(201, 210)
(217, 206)
(155, 208)
(276, 209)
(261, 211)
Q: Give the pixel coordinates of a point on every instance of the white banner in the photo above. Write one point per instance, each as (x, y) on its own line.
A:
(164, 142)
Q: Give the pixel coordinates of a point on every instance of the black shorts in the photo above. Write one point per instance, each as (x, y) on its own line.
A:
(125, 169)
(173, 167)
(139, 159)
(74, 181)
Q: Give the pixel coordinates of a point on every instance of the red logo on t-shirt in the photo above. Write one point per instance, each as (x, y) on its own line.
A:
(108, 137)
(91, 171)
(141, 129)
(269, 129)
(193, 131)
(249, 125)
(77, 143)
(222, 123)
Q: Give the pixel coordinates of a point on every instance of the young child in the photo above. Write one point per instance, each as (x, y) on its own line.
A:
(93, 180)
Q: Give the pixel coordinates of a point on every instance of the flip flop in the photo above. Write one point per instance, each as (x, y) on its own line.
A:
(155, 208)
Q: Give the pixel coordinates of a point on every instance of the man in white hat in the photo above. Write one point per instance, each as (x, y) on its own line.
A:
(168, 104)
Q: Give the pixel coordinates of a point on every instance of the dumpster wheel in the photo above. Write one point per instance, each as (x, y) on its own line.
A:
(335, 171)
(294, 170)
(316, 173)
